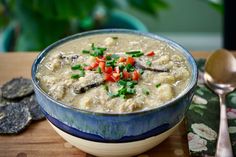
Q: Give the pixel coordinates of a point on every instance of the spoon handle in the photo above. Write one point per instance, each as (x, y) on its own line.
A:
(224, 147)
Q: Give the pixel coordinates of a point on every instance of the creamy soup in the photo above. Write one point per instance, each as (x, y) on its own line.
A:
(114, 73)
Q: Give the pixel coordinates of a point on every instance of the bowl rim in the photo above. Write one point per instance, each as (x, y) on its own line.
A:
(191, 85)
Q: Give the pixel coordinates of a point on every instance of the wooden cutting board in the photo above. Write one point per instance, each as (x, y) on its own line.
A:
(40, 140)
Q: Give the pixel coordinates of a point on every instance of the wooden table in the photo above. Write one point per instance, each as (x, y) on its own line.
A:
(40, 140)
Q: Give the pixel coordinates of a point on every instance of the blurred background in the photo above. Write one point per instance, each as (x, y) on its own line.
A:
(31, 25)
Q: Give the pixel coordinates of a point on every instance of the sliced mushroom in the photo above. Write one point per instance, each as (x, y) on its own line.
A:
(90, 80)
(140, 66)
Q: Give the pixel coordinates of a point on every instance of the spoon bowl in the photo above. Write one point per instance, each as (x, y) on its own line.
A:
(220, 77)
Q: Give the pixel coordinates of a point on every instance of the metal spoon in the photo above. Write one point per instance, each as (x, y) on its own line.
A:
(220, 76)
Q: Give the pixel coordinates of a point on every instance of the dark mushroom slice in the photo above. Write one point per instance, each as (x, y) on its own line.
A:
(143, 67)
(14, 118)
(90, 80)
(34, 107)
(17, 88)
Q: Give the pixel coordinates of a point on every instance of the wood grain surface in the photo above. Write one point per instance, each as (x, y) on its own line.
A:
(40, 140)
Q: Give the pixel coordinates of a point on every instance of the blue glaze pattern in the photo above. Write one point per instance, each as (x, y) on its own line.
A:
(116, 127)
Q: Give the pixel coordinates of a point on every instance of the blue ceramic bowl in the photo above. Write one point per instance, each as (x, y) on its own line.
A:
(110, 127)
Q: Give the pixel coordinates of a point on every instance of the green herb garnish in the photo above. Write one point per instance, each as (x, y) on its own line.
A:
(76, 67)
(133, 52)
(158, 85)
(122, 83)
(129, 68)
(97, 51)
(99, 70)
(131, 84)
(137, 55)
(110, 63)
(121, 75)
(149, 63)
(141, 71)
(108, 57)
(121, 67)
(85, 51)
(75, 76)
(126, 88)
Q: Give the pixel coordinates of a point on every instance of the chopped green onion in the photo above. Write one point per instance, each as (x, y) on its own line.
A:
(110, 63)
(122, 83)
(158, 85)
(108, 57)
(133, 52)
(121, 75)
(149, 63)
(137, 55)
(121, 67)
(131, 91)
(129, 68)
(99, 70)
(141, 71)
(85, 51)
(74, 76)
(76, 67)
(131, 84)
(112, 95)
(98, 51)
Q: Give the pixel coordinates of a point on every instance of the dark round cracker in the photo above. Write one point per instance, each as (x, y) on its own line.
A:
(17, 88)
(3, 101)
(34, 107)
(14, 118)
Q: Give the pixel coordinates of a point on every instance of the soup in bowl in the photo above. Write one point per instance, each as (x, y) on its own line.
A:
(114, 86)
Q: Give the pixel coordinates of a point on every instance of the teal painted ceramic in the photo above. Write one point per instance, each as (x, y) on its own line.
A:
(110, 127)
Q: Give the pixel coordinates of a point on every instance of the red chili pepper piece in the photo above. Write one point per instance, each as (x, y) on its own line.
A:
(130, 60)
(108, 70)
(135, 75)
(152, 53)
